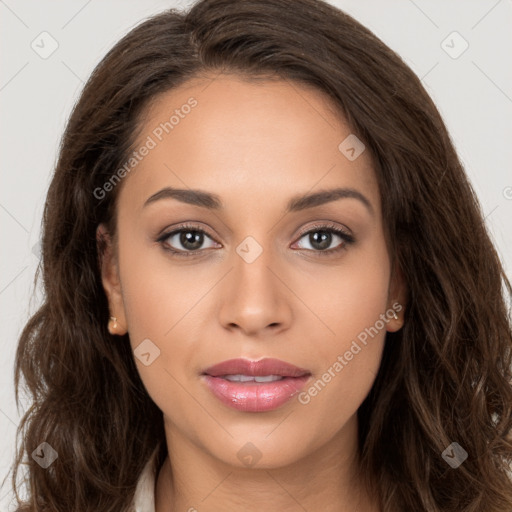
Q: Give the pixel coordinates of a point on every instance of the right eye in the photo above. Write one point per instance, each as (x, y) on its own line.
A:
(191, 239)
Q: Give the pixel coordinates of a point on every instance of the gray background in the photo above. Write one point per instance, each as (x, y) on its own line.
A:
(473, 93)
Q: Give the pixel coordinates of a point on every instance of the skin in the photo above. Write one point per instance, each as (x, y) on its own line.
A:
(255, 145)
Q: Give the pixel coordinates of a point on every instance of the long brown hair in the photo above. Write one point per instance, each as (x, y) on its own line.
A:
(445, 376)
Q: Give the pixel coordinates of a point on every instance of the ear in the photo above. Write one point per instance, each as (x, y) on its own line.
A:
(397, 300)
(110, 279)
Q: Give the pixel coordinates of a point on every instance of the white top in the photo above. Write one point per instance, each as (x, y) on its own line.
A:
(144, 497)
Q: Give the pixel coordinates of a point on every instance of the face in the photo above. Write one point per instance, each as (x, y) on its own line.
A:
(259, 271)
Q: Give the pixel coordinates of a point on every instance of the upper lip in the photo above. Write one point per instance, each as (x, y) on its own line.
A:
(266, 366)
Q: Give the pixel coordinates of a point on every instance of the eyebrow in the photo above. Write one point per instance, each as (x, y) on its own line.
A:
(295, 204)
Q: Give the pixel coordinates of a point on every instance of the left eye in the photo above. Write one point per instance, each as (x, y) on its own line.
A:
(321, 239)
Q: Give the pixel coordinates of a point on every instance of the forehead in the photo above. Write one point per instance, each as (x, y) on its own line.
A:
(230, 136)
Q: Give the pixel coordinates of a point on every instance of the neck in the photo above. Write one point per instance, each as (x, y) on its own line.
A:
(323, 480)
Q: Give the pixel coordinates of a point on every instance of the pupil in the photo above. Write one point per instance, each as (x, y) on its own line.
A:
(191, 240)
(325, 239)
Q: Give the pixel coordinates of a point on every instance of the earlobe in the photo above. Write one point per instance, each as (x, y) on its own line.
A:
(107, 261)
(397, 300)
(395, 314)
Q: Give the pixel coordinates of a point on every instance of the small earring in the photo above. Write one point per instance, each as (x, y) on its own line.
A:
(114, 319)
(394, 315)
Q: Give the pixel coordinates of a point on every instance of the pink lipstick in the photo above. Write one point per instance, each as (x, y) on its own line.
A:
(255, 386)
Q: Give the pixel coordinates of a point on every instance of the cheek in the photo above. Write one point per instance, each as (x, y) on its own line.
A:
(157, 292)
(349, 305)
(156, 302)
(348, 297)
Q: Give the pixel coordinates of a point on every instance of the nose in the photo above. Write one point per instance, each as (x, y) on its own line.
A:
(255, 298)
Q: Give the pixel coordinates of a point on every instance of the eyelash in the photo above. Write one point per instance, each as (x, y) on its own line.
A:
(330, 228)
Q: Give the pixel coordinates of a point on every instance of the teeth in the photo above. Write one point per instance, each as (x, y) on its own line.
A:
(249, 378)
(239, 378)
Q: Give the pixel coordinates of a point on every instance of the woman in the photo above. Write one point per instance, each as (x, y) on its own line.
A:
(268, 282)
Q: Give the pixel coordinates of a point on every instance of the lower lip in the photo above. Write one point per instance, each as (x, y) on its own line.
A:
(255, 396)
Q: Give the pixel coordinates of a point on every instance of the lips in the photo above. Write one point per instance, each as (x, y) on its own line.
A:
(255, 386)
(263, 367)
